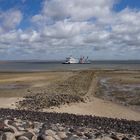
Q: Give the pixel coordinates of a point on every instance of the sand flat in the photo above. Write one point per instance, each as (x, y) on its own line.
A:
(99, 107)
(9, 102)
(93, 106)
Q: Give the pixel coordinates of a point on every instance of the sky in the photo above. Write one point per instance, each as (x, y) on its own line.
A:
(55, 29)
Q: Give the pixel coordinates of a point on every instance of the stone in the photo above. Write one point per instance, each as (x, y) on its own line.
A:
(74, 138)
(2, 136)
(28, 135)
(114, 137)
(56, 137)
(54, 127)
(21, 128)
(9, 136)
(47, 138)
(97, 134)
(60, 128)
(79, 134)
(49, 132)
(23, 138)
(62, 135)
(106, 138)
(88, 135)
(71, 130)
(1, 125)
(125, 138)
(34, 138)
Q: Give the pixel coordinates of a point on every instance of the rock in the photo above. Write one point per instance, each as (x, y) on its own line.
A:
(23, 138)
(74, 138)
(62, 135)
(44, 137)
(49, 132)
(2, 136)
(1, 125)
(9, 136)
(114, 137)
(10, 130)
(30, 125)
(88, 135)
(71, 130)
(125, 138)
(97, 134)
(60, 128)
(106, 138)
(21, 128)
(56, 137)
(34, 138)
(28, 135)
(79, 134)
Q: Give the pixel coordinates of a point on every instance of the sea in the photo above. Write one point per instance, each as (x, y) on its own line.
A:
(6, 66)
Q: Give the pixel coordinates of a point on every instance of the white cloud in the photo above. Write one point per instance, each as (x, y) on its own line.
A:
(73, 24)
(77, 9)
(10, 19)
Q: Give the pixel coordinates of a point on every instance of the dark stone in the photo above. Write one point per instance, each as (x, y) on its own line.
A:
(2, 136)
(114, 137)
(71, 130)
(39, 137)
(88, 135)
(125, 138)
(7, 130)
(29, 135)
(1, 125)
(99, 123)
(97, 134)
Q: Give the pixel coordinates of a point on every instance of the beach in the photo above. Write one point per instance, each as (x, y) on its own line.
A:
(105, 94)
(16, 86)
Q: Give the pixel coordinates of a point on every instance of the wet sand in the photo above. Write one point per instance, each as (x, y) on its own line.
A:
(9, 102)
(40, 82)
(99, 107)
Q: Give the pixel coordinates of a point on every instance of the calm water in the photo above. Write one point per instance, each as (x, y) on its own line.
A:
(53, 66)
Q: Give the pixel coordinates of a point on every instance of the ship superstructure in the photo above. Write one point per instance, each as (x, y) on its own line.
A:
(81, 60)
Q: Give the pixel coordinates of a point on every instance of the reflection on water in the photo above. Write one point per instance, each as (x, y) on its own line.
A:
(52, 66)
(104, 82)
(13, 86)
(126, 94)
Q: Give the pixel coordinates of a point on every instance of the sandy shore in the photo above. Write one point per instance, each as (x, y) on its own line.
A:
(93, 106)
(9, 102)
(99, 107)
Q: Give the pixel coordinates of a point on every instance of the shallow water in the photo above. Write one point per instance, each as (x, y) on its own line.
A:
(53, 66)
(110, 88)
(12, 86)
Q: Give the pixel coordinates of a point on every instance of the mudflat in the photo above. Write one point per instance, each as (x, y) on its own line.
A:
(107, 93)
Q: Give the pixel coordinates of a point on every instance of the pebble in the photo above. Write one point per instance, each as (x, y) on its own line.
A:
(88, 135)
(48, 129)
(125, 138)
(23, 138)
(74, 138)
(9, 136)
(62, 135)
(106, 138)
(49, 132)
(47, 138)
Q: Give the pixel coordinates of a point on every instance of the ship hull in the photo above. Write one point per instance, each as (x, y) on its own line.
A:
(76, 63)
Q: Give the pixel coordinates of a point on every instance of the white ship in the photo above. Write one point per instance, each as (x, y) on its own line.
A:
(72, 60)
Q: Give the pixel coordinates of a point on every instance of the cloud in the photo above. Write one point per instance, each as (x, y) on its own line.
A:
(77, 9)
(67, 25)
(10, 19)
